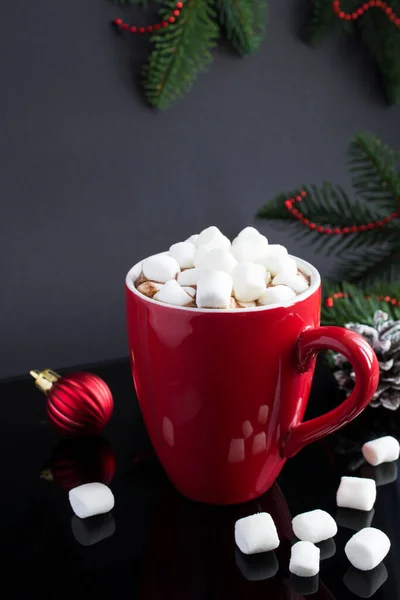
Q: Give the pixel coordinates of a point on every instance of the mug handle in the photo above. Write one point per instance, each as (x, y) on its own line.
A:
(366, 368)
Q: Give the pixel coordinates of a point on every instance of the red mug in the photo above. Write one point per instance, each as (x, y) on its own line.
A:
(223, 392)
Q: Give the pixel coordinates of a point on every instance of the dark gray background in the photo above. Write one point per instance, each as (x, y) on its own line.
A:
(92, 180)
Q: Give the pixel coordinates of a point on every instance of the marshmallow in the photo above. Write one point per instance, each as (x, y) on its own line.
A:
(365, 584)
(354, 519)
(367, 548)
(160, 268)
(247, 248)
(279, 263)
(272, 252)
(314, 526)
(298, 283)
(248, 232)
(213, 238)
(149, 288)
(277, 294)
(191, 276)
(381, 450)
(200, 255)
(91, 499)
(246, 304)
(382, 474)
(91, 531)
(183, 252)
(304, 559)
(214, 290)
(356, 492)
(189, 290)
(249, 281)
(193, 239)
(172, 293)
(218, 260)
(257, 567)
(256, 533)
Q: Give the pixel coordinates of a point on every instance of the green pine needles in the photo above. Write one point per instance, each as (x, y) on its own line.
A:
(380, 36)
(183, 49)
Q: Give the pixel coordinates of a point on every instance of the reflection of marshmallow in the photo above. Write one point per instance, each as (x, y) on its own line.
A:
(88, 532)
(263, 414)
(149, 288)
(259, 443)
(249, 247)
(304, 586)
(382, 474)
(256, 533)
(236, 450)
(172, 293)
(367, 548)
(298, 283)
(354, 519)
(219, 260)
(327, 548)
(91, 499)
(276, 295)
(356, 492)
(183, 252)
(168, 431)
(365, 584)
(213, 237)
(304, 559)
(279, 264)
(249, 281)
(193, 239)
(384, 449)
(160, 268)
(191, 276)
(257, 567)
(214, 290)
(247, 429)
(314, 526)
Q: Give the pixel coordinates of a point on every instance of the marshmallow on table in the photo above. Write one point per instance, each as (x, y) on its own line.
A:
(356, 492)
(149, 288)
(247, 248)
(304, 559)
(183, 252)
(214, 290)
(367, 548)
(276, 295)
(160, 268)
(314, 526)
(218, 260)
(191, 276)
(298, 283)
(249, 281)
(91, 499)
(213, 238)
(256, 533)
(172, 293)
(381, 450)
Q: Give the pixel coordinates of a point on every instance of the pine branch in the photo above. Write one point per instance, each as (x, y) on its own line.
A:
(244, 23)
(181, 52)
(374, 168)
(378, 264)
(321, 21)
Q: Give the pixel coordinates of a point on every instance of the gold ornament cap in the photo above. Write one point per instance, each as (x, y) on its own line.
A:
(45, 379)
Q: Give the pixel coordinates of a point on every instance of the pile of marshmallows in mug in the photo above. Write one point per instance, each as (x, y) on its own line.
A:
(365, 550)
(208, 271)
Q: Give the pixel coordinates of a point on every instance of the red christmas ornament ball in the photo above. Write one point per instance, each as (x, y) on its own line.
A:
(78, 405)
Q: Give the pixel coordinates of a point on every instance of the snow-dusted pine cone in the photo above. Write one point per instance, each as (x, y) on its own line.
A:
(384, 338)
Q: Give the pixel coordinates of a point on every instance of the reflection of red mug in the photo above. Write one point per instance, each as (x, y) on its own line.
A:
(223, 393)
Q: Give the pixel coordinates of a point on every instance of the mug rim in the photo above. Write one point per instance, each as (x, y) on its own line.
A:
(304, 266)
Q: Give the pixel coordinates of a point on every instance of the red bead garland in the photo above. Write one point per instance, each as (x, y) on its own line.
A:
(336, 230)
(363, 8)
(119, 23)
(330, 302)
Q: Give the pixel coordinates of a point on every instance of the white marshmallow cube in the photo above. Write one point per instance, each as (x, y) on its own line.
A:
(384, 449)
(367, 548)
(213, 238)
(249, 281)
(183, 252)
(280, 263)
(193, 239)
(189, 290)
(248, 232)
(277, 294)
(298, 283)
(172, 293)
(191, 276)
(91, 499)
(247, 248)
(214, 290)
(356, 492)
(160, 268)
(304, 559)
(314, 526)
(219, 260)
(256, 533)
(200, 256)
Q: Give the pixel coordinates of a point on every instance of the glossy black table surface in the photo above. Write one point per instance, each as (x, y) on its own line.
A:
(156, 545)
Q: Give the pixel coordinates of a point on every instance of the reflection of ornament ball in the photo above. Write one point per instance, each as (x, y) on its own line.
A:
(75, 462)
(78, 405)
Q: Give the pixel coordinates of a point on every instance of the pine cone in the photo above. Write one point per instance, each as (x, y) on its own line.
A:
(384, 338)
